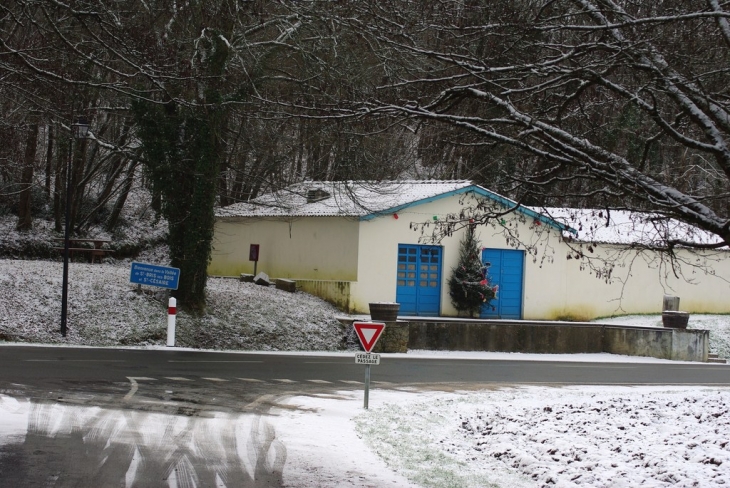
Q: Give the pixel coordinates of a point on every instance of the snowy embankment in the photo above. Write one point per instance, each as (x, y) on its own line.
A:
(568, 437)
(106, 310)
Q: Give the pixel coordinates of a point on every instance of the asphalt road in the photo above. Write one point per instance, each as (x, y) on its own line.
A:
(53, 366)
(149, 418)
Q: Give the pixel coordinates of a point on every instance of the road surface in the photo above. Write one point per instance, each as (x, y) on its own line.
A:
(149, 418)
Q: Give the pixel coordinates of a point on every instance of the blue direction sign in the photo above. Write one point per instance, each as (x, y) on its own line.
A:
(153, 275)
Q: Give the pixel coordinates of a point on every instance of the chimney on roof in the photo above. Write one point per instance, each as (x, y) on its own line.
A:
(317, 195)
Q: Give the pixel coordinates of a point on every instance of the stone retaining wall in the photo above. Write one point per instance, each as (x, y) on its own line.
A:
(558, 338)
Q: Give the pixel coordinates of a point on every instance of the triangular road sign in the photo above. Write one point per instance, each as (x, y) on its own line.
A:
(368, 333)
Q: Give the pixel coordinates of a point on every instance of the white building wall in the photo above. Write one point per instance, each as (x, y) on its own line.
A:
(309, 248)
(378, 244)
(555, 287)
(545, 282)
(363, 256)
(640, 280)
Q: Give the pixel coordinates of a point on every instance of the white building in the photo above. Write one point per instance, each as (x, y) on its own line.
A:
(359, 242)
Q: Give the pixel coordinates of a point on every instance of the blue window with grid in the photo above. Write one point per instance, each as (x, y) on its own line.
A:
(418, 287)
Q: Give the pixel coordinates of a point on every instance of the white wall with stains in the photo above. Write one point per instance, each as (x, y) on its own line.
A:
(560, 283)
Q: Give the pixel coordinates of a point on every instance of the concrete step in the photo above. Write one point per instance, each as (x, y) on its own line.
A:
(714, 358)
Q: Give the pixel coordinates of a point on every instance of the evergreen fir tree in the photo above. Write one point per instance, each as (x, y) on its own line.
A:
(468, 285)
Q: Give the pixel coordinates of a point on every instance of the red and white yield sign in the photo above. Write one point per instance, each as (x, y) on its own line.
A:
(368, 333)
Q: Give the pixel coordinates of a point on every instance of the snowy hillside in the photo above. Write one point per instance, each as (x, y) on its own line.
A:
(105, 309)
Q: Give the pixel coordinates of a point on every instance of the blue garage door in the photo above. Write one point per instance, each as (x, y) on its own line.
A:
(506, 269)
(418, 288)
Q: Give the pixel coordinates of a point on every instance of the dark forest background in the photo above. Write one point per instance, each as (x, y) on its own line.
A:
(586, 103)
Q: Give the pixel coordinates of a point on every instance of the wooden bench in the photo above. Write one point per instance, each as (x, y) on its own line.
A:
(92, 252)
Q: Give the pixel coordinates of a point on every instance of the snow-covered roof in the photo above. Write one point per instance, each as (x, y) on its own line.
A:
(342, 198)
(625, 227)
(368, 199)
(361, 199)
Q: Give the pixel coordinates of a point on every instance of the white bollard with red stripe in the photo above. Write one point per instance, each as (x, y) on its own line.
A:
(171, 312)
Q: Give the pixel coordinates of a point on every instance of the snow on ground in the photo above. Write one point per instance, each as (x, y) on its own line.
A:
(578, 436)
(105, 310)
(508, 437)
(522, 437)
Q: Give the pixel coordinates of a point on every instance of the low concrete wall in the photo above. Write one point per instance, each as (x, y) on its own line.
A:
(690, 344)
(504, 337)
(558, 338)
(394, 338)
(629, 341)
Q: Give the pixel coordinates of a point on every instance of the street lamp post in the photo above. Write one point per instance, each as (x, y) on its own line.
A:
(80, 129)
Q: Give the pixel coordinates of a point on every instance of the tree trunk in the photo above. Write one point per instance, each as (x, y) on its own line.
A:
(224, 197)
(183, 156)
(77, 174)
(59, 183)
(25, 217)
(113, 219)
(49, 159)
(118, 163)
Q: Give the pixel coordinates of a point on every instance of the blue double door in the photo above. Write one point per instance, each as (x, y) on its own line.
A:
(506, 270)
(418, 287)
(419, 278)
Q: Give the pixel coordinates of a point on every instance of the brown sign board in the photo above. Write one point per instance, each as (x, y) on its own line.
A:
(253, 252)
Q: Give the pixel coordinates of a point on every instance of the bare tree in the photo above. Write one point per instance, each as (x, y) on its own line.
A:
(47, 80)
(604, 102)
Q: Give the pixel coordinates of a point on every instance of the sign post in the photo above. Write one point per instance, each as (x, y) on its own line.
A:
(171, 313)
(253, 255)
(366, 396)
(368, 333)
(161, 277)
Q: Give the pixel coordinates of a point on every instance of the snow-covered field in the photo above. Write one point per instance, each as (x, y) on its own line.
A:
(507, 437)
(516, 437)
(106, 310)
